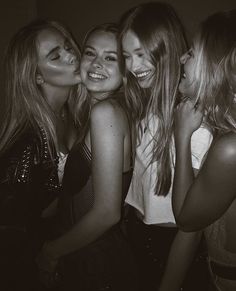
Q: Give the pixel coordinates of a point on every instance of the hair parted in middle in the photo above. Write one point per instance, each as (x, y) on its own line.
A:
(161, 33)
(84, 103)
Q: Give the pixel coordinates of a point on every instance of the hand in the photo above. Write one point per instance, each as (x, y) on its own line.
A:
(188, 118)
(48, 275)
(45, 260)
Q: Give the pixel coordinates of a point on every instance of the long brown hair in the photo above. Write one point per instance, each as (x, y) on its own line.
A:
(160, 31)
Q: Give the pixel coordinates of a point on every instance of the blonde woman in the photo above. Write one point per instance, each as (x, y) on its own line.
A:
(41, 75)
(209, 202)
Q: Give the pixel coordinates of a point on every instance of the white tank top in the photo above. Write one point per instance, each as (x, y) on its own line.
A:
(141, 195)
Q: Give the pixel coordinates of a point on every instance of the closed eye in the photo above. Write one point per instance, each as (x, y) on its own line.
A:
(190, 53)
(55, 57)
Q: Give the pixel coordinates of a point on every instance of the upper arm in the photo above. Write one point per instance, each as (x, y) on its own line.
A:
(107, 147)
(213, 190)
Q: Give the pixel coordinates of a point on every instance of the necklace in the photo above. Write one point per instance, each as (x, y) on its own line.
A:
(61, 115)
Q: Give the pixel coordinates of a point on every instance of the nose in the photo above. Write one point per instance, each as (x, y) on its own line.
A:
(71, 58)
(97, 63)
(133, 64)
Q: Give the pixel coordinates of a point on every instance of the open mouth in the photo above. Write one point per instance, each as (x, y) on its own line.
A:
(96, 76)
(143, 75)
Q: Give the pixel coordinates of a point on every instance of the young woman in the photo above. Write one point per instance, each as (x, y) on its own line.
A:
(41, 73)
(94, 250)
(209, 201)
(152, 42)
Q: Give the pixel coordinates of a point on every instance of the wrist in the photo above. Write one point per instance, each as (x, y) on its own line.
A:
(50, 250)
(183, 140)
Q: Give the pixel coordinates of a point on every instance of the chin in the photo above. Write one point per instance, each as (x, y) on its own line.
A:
(144, 85)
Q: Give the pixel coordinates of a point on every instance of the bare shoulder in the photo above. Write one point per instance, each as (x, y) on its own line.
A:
(108, 111)
(224, 148)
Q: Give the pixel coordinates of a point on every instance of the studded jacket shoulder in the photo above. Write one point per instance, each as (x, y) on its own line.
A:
(28, 178)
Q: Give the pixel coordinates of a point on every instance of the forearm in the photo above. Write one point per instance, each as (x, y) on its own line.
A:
(87, 230)
(184, 174)
(180, 258)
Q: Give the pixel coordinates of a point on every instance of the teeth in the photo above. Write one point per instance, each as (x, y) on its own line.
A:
(184, 75)
(143, 74)
(96, 76)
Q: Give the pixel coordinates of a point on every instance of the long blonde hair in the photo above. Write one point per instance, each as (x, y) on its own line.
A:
(160, 31)
(215, 70)
(25, 105)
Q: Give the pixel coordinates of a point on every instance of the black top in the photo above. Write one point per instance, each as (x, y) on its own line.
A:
(28, 180)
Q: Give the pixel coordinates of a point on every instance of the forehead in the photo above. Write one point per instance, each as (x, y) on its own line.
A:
(102, 40)
(47, 40)
(130, 41)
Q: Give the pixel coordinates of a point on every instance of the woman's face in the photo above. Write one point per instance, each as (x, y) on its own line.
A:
(138, 60)
(57, 62)
(187, 85)
(99, 69)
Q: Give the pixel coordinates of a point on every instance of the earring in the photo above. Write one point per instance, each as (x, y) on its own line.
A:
(39, 80)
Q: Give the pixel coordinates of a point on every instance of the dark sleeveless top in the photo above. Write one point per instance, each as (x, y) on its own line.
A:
(78, 197)
(106, 263)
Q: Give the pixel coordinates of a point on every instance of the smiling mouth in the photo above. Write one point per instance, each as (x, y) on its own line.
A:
(96, 76)
(143, 75)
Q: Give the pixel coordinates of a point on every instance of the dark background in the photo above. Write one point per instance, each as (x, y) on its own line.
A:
(80, 15)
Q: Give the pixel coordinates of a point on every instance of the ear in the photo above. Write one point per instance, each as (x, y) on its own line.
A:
(39, 79)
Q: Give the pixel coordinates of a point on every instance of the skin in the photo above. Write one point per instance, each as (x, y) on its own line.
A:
(137, 59)
(186, 86)
(215, 182)
(109, 141)
(57, 73)
(138, 62)
(57, 67)
(100, 70)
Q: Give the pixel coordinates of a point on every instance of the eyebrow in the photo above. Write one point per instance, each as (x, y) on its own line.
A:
(136, 50)
(109, 52)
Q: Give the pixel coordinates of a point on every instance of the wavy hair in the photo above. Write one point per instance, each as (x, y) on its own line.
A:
(161, 33)
(25, 104)
(215, 70)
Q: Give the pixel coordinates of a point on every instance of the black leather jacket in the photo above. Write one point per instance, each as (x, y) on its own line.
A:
(28, 181)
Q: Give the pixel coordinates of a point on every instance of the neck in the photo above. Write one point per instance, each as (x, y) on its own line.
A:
(57, 97)
(97, 97)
